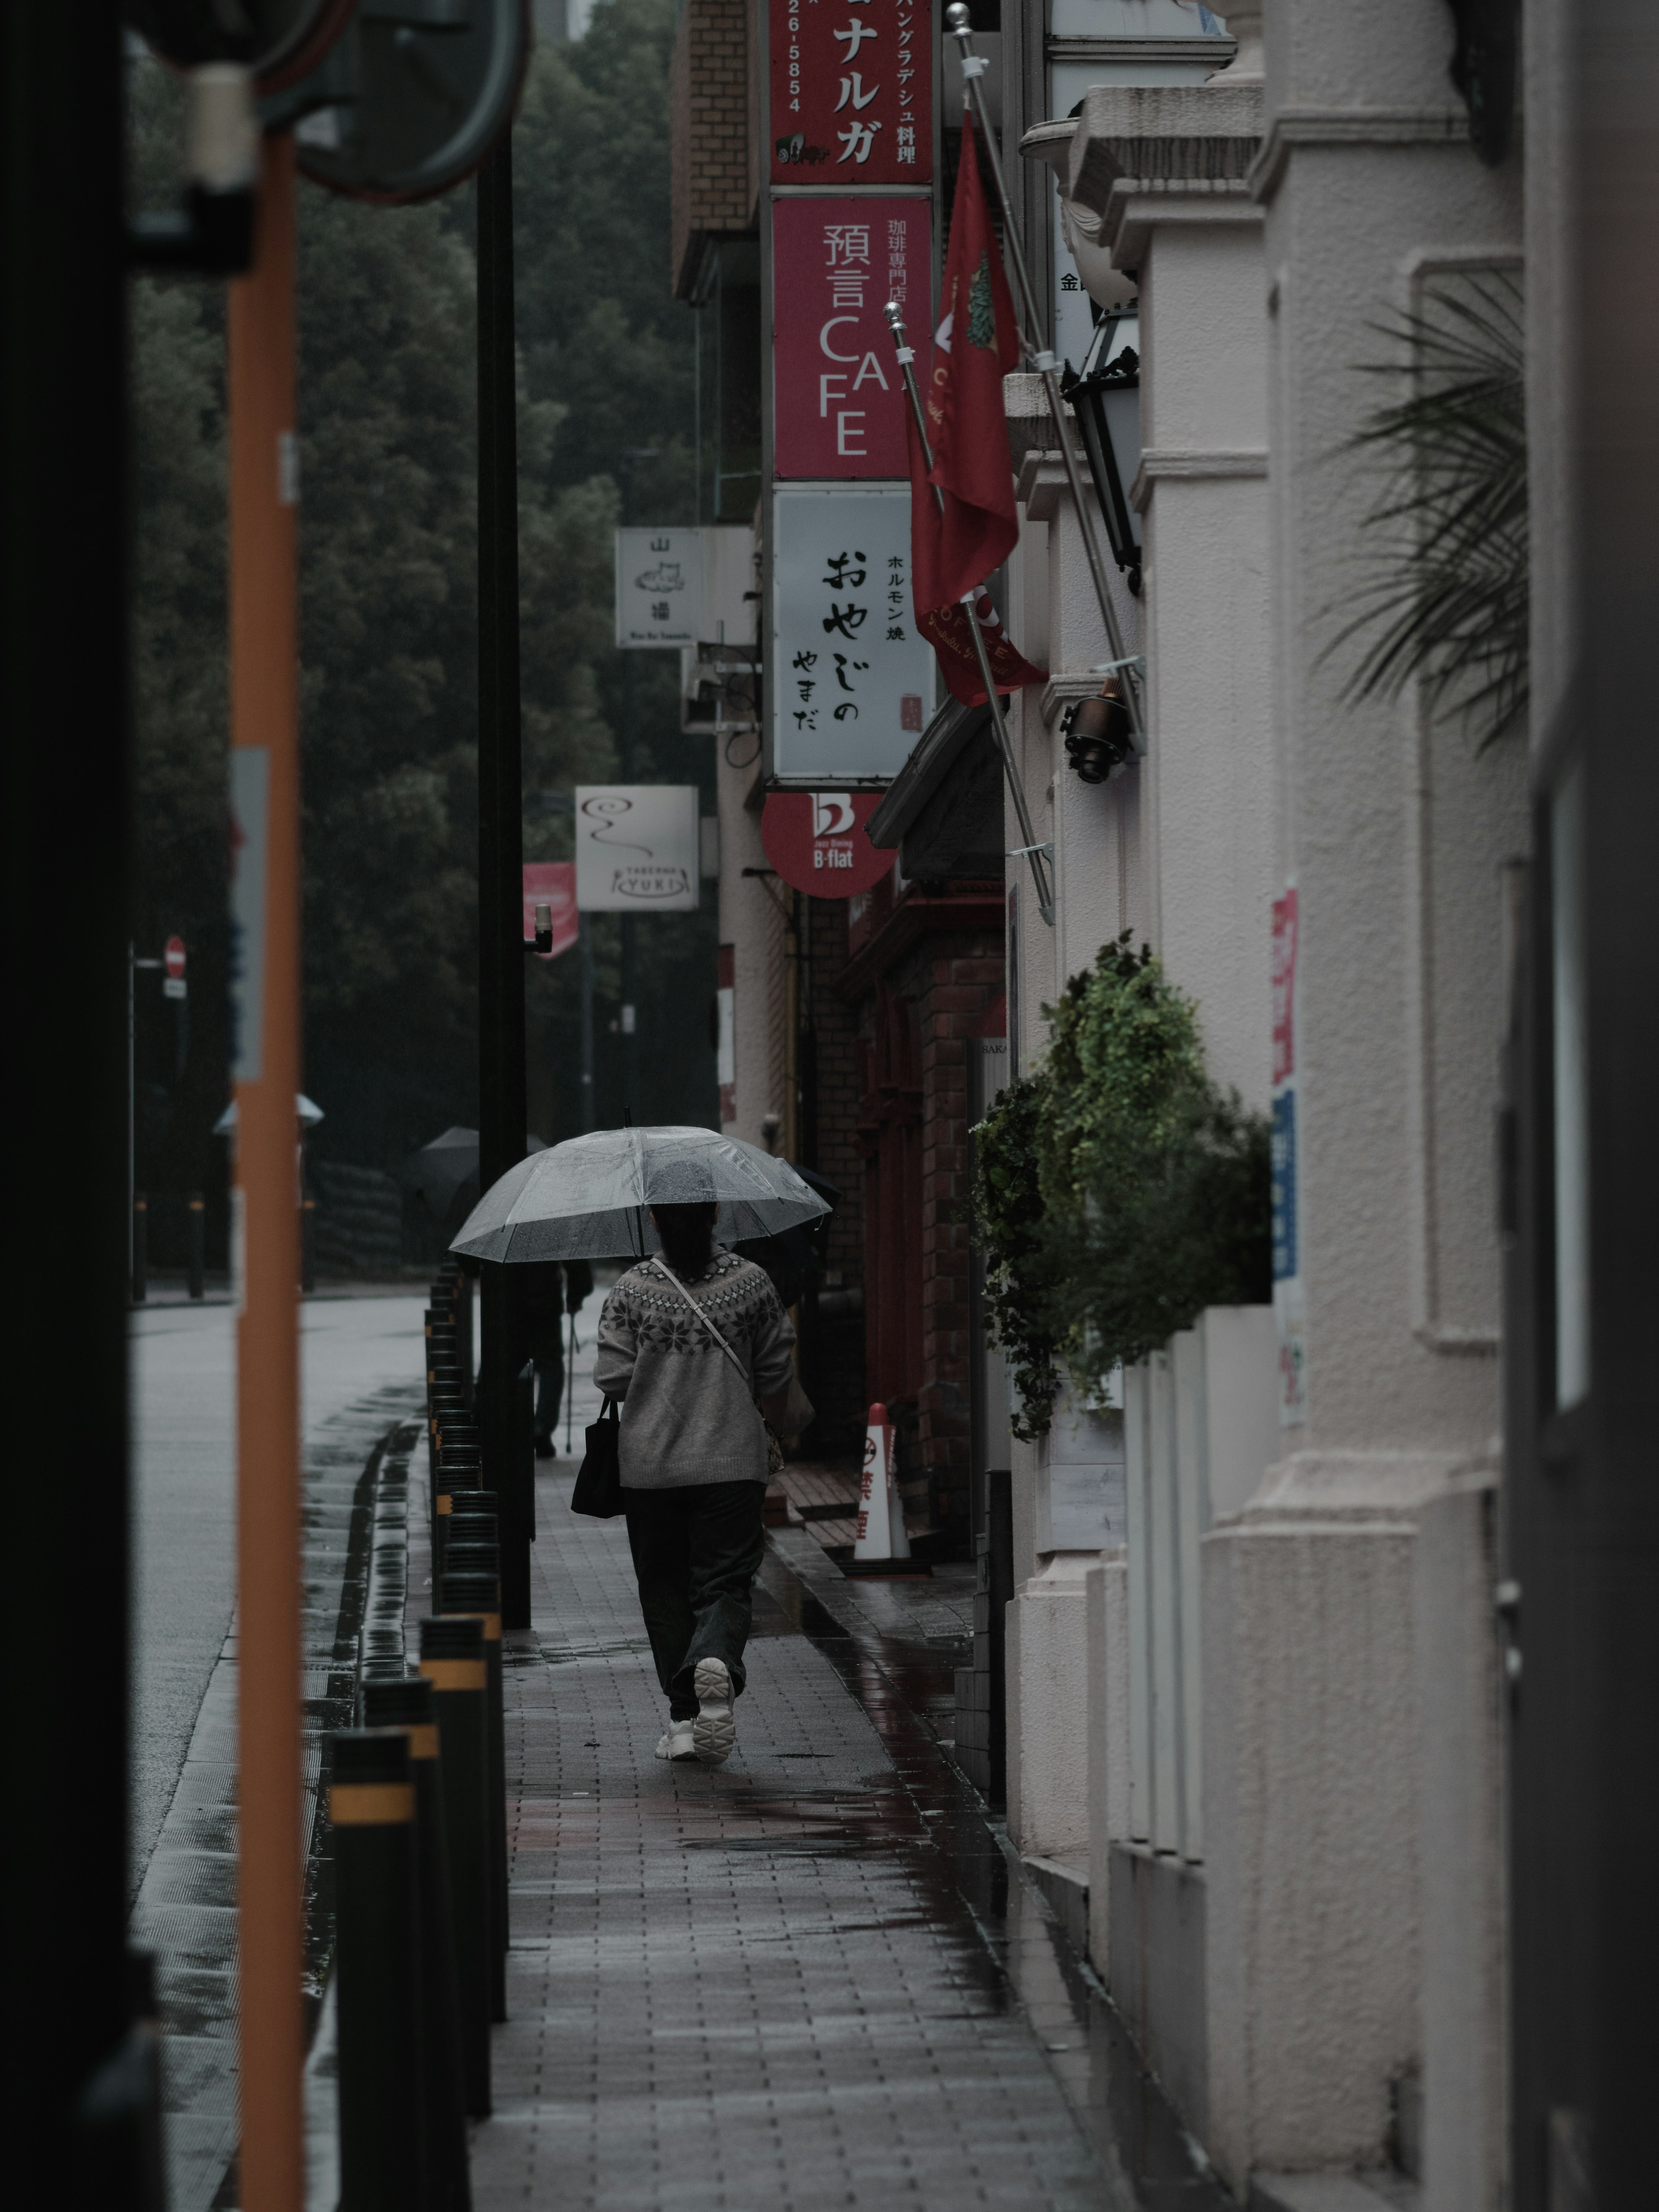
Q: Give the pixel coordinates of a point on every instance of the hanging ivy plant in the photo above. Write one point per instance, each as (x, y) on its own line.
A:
(1008, 1228)
(1117, 1191)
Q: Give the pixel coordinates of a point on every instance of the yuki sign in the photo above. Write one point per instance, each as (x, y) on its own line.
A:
(852, 92)
(852, 680)
(838, 395)
(658, 588)
(636, 847)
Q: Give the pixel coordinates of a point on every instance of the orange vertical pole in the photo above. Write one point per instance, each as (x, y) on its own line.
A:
(265, 799)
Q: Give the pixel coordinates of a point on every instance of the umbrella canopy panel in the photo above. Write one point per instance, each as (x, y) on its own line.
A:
(586, 1199)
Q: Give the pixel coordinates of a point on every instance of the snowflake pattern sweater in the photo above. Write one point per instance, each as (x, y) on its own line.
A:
(687, 1416)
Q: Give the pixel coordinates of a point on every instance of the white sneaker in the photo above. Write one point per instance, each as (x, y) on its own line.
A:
(677, 1743)
(715, 1731)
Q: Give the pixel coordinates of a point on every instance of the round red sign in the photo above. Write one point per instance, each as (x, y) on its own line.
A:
(815, 840)
(173, 953)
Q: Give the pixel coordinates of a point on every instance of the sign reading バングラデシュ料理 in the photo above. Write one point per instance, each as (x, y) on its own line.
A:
(852, 84)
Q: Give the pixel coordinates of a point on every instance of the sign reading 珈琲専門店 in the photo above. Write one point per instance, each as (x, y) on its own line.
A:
(852, 92)
(853, 680)
(838, 395)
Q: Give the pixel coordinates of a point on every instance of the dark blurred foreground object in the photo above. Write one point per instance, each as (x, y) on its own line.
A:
(410, 101)
(65, 518)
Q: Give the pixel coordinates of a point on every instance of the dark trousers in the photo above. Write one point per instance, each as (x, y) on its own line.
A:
(549, 1393)
(696, 1553)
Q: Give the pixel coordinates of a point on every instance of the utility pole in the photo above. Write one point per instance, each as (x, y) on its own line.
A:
(265, 786)
(510, 1465)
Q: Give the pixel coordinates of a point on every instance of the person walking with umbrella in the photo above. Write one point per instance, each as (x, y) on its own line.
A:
(697, 1349)
(695, 1346)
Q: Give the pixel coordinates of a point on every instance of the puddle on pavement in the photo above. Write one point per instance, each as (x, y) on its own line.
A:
(958, 1867)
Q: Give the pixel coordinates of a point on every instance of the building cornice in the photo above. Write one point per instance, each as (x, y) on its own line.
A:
(1216, 52)
(1295, 128)
(1194, 464)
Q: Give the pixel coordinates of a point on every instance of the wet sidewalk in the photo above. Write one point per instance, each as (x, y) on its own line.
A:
(809, 1978)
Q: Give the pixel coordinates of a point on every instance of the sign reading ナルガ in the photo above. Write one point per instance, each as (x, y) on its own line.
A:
(838, 397)
(816, 841)
(852, 92)
(636, 847)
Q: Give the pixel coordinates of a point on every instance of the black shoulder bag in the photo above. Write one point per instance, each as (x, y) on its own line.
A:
(599, 1484)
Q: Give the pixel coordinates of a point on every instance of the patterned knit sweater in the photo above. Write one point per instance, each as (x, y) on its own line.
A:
(687, 1414)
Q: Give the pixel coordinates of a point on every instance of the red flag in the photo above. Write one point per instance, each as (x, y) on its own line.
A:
(944, 623)
(975, 347)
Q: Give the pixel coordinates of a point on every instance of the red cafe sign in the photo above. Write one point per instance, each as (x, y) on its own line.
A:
(815, 840)
(852, 92)
(838, 397)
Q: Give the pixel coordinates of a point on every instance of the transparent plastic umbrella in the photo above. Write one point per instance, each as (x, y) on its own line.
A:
(586, 1199)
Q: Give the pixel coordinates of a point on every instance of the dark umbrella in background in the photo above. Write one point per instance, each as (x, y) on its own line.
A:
(439, 1173)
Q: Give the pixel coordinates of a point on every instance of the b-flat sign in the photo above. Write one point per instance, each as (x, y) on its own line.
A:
(815, 839)
(636, 847)
(852, 92)
(853, 678)
(838, 395)
(658, 588)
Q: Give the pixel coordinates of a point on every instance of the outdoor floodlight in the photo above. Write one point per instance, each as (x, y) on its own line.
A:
(1098, 737)
(1106, 398)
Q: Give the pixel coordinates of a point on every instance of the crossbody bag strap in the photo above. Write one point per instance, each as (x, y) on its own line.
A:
(712, 1327)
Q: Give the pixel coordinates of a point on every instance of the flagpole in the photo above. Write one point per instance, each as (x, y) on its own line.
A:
(1048, 367)
(1035, 853)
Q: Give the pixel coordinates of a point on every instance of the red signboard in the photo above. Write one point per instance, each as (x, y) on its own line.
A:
(852, 92)
(173, 954)
(839, 398)
(1283, 987)
(551, 883)
(815, 840)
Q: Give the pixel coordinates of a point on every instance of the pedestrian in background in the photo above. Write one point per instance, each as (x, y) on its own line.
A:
(554, 1289)
(697, 1347)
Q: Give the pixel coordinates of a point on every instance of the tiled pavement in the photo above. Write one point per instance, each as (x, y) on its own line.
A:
(757, 1986)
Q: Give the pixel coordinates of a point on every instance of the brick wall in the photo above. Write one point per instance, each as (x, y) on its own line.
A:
(711, 160)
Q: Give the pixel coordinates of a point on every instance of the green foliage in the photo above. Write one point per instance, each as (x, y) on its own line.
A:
(1445, 598)
(1120, 1193)
(1008, 1228)
(387, 520)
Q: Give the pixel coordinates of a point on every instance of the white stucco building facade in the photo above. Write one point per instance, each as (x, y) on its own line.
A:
(1289, 1818)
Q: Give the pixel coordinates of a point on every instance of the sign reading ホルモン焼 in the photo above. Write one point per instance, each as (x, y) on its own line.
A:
(852, 92)
(658, 588)
(636, 847)
(838, 397)
(852, 680)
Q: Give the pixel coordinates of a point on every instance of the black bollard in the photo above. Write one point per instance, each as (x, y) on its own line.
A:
(371, 1807)
(460, 1468)
(407, 1704)
(197, 1208)
(453, 1661)
(473, 1587)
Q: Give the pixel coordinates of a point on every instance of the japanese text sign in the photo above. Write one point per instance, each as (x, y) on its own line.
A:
(658, 588)
(636, 847)
(853, 680)
(839, 396)
(852, 92)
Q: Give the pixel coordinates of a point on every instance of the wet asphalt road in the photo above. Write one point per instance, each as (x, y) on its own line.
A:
(184, 1500)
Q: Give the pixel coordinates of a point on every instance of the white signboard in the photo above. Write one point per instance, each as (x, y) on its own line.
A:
(636, 847)
(658, 588)
(853, 678)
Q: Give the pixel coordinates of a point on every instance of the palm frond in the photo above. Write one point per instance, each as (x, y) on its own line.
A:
(1444, 597)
